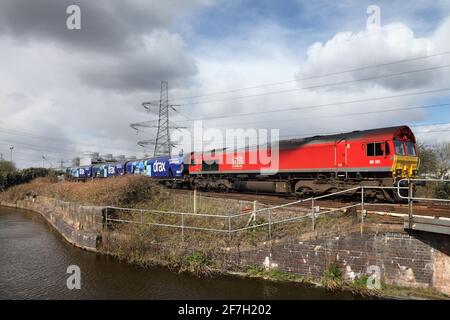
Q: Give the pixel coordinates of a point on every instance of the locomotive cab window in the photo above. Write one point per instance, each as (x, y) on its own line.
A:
(374, 149)
(399, 149)
(387, 149)
(410, 149)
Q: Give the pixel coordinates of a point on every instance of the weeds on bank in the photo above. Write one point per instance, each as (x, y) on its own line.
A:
(413, 293)
(332, 277)
(275, 274)
(198, 263)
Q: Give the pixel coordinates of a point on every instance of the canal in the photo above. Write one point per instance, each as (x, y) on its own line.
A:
(34, 259)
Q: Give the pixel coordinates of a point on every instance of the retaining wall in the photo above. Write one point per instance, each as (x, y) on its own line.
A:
(410, 260)
(79, 225)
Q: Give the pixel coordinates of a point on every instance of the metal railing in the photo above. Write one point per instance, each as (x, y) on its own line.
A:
(228, 224)
(410, 198)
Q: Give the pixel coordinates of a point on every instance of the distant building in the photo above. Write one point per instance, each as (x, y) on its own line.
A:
(90, 158)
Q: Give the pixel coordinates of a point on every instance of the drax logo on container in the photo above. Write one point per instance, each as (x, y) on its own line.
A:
(255, 150)
(159, 166)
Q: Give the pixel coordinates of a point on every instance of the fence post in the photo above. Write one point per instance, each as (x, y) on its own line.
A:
(229, 227)
(313, 217)
(410, 204)
(195, 200)
(362, 205)
(270, 224)
(106, 218)
(252, 215)
(182, 226)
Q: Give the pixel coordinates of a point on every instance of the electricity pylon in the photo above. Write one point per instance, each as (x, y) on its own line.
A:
(163, 145)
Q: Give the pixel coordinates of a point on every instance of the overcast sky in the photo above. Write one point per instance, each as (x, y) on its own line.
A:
(64, 92)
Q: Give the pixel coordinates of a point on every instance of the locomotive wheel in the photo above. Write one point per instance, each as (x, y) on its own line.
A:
(304, 192)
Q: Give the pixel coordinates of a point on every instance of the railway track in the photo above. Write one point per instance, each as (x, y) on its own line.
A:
(437, 210)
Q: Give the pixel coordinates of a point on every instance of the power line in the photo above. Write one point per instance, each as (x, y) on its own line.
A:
(344, 114)
(294, 108)
(66, 142)
(314, 77)
(27, 157)
(316, 86)
(320, 133)
(36, 147)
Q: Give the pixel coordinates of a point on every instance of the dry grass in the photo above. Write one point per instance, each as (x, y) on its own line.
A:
(128, 191)
(142, 193)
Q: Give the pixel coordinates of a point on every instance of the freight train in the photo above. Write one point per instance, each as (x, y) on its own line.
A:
(304, 167)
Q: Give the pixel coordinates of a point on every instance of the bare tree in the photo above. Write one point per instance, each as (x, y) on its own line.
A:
(442, 152)
(6, 167)
(428, 159)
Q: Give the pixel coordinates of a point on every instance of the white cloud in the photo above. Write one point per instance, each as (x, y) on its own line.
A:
(260, 61)
(375, 46)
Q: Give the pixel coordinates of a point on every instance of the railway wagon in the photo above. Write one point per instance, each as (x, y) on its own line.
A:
(314, 165)
(164, 167)
(135, 167)
(160, 167)
(80, 172)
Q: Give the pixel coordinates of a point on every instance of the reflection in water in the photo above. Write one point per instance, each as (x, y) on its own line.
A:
(34, 260)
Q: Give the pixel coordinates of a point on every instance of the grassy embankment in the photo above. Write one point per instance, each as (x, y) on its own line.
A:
(201, 251)
(141, 193)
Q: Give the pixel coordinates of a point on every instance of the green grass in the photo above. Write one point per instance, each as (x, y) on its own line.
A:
(332, 277)
(198, 263)
(274, 274)
(361, 282)
(411, 293)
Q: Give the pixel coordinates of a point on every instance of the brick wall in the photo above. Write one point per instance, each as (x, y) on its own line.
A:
(412, 260)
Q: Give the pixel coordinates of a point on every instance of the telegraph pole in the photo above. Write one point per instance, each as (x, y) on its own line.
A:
(11, 149)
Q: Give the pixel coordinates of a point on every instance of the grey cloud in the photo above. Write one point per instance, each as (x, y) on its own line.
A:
(113, 40)
(142, 70)
(134, 76)
(106, 25)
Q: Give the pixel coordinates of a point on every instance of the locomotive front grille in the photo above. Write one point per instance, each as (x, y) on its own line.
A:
(405, 166)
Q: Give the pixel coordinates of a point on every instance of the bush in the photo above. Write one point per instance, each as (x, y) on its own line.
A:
(361, 282)
(198, 263)
(13, 178)
(6, 167)
(333, 272)
(442, 191)
(332, 277)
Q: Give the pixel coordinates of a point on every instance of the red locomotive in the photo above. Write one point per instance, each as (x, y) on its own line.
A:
(314, 165)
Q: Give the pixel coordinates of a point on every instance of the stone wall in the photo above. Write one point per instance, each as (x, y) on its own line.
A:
(79, 225)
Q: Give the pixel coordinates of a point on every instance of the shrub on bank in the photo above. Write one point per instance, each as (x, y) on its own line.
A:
(442, 191)
(13, 178)
(121, 191)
